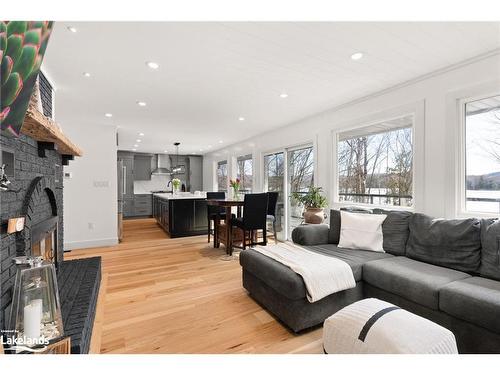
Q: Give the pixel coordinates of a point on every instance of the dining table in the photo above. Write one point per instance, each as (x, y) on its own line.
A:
(228, 204)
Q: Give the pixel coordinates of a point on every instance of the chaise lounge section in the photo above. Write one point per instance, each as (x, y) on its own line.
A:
(445, 270)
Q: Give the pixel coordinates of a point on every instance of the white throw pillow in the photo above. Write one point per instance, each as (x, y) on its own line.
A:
(361, 231)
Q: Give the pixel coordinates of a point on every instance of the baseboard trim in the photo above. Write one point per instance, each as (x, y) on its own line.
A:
(74, 245)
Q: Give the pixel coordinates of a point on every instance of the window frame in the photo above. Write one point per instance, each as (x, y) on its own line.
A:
(461, 175)
(417, 111)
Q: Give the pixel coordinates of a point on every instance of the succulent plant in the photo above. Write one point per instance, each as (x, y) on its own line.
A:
(22, 47)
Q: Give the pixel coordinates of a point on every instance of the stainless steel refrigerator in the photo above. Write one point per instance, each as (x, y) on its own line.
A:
(121, 187)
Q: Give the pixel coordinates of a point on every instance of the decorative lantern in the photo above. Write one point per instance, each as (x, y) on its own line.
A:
(35, 316)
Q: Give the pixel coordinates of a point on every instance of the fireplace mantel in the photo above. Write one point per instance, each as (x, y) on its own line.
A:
(43, 129)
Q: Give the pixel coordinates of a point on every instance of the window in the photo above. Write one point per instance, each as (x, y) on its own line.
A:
(222, 175)
(274, 180)
(245, 172)
(300, 178)
(482, 155)
(375, 163)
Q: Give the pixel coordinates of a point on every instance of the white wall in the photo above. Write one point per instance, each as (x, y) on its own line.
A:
(90, 195)
(430, 96)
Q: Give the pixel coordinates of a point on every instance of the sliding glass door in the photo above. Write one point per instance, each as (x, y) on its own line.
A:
(274, 180)
(289, 171)
(300, 174)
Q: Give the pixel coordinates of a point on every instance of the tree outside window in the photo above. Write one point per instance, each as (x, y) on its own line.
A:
(245, 172)
(222, 175)
(375, 164)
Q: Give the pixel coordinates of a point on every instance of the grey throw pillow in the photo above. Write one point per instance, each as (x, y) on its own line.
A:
(490, 252)
(395, 230)
(453, 244)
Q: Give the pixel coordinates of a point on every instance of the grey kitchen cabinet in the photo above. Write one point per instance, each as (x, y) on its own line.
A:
(195, 173)
(143, 205)
(128, 207)
(142, 167)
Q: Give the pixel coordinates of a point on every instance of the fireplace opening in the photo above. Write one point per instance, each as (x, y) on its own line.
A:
(44, 240)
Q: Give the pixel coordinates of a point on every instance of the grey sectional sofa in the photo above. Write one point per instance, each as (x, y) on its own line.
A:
(446, 270)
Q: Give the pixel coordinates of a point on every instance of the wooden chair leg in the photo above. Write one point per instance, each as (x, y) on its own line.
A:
(264, 236)
(209, 229)
(244, 239)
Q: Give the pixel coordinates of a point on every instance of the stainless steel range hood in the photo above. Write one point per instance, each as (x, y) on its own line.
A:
(162, 166)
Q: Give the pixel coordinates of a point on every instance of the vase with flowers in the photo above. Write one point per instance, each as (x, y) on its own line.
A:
(176, 185)
(235, 185)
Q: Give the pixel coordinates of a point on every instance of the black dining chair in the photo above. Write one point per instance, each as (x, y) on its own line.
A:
(271, 211)
(215, 213)
(254, 218)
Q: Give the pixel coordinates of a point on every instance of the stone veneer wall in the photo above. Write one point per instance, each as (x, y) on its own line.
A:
(28, 166)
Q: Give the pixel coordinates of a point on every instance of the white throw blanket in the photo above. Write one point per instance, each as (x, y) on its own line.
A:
(322, 275)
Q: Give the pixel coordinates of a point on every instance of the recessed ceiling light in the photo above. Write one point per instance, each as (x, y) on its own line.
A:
(138, 140)
(241, 119)
(72, 29)
(141, 134)
(141, 104)
(357, 56)
(108, 114)
(152, 65)
(284, 95)
(201, 149)
(136, 146)
(209, 146)
(134, 149)
(221, 141)
(86, 74)
(165, 151)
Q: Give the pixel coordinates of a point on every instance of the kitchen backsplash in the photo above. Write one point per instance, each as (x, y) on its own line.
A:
(156, 183)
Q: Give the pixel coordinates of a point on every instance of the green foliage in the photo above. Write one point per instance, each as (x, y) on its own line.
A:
(312, 199)
(22, 45)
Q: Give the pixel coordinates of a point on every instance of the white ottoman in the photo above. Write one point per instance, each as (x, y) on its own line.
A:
(375, 326)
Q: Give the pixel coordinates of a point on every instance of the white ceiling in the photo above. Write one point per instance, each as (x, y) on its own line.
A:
(212, 73)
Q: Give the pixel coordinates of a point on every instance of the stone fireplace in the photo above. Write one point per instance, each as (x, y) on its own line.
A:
(36, 194)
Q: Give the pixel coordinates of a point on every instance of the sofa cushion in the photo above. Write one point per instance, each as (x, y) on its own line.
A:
(449, 243)
(361, 231)
(475, 300)
(416, 281)
(355, 258)
(490, 252)
(395, 230)
(312, 234)
(334, 234)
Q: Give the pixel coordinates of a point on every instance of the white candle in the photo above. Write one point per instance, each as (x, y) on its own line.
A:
(32, 319)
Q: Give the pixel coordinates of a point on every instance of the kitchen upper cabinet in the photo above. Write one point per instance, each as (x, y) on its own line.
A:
(195, 173)
(142, 167)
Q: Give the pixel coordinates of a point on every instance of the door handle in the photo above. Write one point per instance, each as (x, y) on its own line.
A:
(124, 180)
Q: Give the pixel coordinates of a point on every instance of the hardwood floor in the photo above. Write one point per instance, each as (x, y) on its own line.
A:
(162, 295)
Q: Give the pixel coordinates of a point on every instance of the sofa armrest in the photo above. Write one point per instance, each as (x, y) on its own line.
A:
(312, 234)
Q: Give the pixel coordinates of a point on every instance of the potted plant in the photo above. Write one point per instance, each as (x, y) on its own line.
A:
(176, 184)
(314, 204)
(235, 185)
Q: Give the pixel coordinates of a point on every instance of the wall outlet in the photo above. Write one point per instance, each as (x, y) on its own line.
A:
(91, 226)
(101, 184)
(68, 175)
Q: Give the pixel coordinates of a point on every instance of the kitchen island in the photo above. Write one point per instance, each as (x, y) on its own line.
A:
(182, 214)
